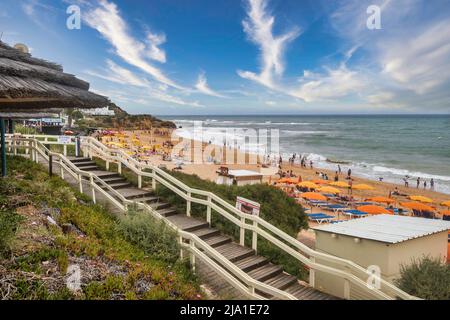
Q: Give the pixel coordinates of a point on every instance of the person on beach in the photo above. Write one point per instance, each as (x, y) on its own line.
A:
(336, 177)
(350, 186)
(424, 184)
(311, 163)
(339, 169)
(418, 182)
(349, 173)
(432, 184)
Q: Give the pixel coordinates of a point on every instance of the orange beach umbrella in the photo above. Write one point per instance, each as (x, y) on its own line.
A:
(416, 206)
(313, 196)
(446, 213)
(372, 209)
(381, 200)
(320, 181)
(446, 203)
(362, 186)
(307, 184)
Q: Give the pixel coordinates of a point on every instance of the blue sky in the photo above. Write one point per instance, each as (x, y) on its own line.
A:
(247, 56)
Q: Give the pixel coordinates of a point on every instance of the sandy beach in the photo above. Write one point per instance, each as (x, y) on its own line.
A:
(208, 170)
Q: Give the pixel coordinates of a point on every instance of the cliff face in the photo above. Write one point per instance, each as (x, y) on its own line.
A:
(124, 120)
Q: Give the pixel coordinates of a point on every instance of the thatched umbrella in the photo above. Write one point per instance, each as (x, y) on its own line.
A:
(32, 87)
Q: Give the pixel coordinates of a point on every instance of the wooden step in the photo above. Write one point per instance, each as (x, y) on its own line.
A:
(88, 168)
(102, 174)
(205, 233)
(119, 185)
(115, 179)
(281, 281)
(78, 159)
(187, 223)
(85, 163)
(218, 240)
(303, 292)
(167, 212)
(159, 205)
(134, 193)
(265, 272)
(251, 263)
(235, 252)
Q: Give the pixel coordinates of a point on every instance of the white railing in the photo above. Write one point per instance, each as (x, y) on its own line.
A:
(351, 273)
(188, 241)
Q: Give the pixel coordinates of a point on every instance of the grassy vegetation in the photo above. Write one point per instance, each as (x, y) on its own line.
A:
(426, 278)
(120, 258)
(276, 207)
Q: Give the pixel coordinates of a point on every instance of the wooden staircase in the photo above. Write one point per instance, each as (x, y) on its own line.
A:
(257, 267)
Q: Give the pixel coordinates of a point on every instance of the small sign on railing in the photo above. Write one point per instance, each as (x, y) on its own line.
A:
(64, 139)
(248, 206)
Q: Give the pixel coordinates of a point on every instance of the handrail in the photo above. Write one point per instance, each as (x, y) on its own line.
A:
(228, 270)
(160, 175)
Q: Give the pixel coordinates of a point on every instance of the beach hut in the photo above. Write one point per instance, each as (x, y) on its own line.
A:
(36, 88)
(381, 243)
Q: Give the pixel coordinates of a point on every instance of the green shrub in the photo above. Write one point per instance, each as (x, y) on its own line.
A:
(426, 278)
(9, 222)
(151, 235)
(276, 208)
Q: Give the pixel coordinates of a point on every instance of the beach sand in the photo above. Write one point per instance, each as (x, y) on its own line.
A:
(208, 171)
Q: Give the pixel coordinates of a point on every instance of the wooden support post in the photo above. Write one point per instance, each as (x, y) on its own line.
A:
(92, 189)
(119, 167)
(154, 180)
(61, 168)
(242, 233)
(139, 181)
(65, 150)
(3, 145)
(50, 165)
(181, 249)
(80, 181)
(192, 255)
(107, 165)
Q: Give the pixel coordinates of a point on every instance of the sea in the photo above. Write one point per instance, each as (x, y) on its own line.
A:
(373, 146)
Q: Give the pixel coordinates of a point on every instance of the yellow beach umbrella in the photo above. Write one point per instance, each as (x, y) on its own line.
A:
(308, 184)
(340, 184)
(362, 186)
(421, 199)
(416, 206)
(446, 203)
(320, 181)
(329, 189)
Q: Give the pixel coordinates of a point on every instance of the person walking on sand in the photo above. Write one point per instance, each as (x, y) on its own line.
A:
(336, 177)
(311, 163)
(350, 186)
(349, 173)
(339, 169)
(424, 184)
(432, 184)
(418, 182)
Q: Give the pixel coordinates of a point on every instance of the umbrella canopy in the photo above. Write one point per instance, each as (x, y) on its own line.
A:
(308, 184)
(446, 213)
(328, 189)
(320, 181)
(340, 184)
(313, 196)
(381, 200)
(417, 206)
(288, 180)
(446, 203)
(421, 199)
(372, 209)
(362, 186)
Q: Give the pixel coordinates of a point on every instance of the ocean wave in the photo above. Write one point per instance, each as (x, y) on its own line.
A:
(404, 172)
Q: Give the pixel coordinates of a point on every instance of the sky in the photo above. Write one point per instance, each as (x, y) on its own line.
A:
(231, 57)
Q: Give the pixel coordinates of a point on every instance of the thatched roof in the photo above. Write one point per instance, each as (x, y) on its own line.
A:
(28, 82)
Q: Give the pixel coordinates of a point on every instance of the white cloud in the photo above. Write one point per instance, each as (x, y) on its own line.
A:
(116, 73)
(202, 86)
(106, 19)
(259, 28)
(335, 83)
(154, 52)
(421, 61)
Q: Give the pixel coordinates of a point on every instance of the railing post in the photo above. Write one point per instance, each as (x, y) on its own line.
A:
(119, 167)
(154, 179)
(188, 205)
(312, 274)
(208, 211)
(346, 289)
(107, 165)
(192, 255)
(80, 183)
(92, 189)
(139, 181)
(61, 168)
(65, 150)
(255, 237)
(242, 233)
(50, 165)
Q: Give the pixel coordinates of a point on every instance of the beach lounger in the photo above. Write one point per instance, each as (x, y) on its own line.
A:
(334, 207)
(355, 213)
(358, 204)
(317, 203)
(320, 217)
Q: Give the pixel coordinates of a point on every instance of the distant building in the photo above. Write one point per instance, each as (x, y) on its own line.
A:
(238, 177)
(98, 112)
